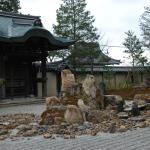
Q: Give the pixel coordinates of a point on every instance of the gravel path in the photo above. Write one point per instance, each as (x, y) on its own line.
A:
(131, 140)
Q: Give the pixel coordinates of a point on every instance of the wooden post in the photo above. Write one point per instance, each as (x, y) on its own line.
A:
(44, 88)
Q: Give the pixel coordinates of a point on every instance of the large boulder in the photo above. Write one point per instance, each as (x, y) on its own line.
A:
(50, 116)
(115, 100)
(73, 115)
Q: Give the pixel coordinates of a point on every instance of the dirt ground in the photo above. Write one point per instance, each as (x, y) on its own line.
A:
(130, 92)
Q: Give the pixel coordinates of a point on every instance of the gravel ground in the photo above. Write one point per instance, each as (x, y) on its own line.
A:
(130, 140)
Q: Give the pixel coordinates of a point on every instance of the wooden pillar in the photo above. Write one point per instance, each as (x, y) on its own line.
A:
(44, 78)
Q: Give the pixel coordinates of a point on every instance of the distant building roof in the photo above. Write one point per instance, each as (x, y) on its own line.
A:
(102, 59)
(16, 28)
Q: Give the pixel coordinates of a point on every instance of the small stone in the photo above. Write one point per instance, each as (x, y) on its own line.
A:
(122, 129)
(112, 128)
(5, 123)
(147, 123)
(3, 137)
(123, 115)
(58, 120)
(93, 133)
(87, 124)
(81, 127)
(139, 119)
(88, 131)
(72, 136)
(3, 132)
(141, 125)
(30, 133)
(47, 135)
(14, 132)
(66, 136)
(23, 127)
(135, 109)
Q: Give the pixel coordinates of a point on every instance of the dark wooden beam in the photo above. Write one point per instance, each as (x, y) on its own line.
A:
(44, 78)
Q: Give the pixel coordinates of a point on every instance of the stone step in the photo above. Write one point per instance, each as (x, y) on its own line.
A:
(9, 103)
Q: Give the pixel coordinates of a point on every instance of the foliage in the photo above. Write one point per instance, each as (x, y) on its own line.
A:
(134, 48)
(60, 54)
(145, 26)
(10, 5)
(74, 22)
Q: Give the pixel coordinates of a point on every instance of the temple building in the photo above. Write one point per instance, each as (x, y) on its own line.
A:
(23, 41)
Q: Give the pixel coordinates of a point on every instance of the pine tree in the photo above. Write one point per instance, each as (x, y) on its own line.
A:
(75, 22)
(135, 51)
(145, 26)
(10, 5)
(133, 47)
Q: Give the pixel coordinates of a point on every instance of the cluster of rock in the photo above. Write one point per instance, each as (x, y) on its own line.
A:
(82, 109)
(85, 103)
(28, 125)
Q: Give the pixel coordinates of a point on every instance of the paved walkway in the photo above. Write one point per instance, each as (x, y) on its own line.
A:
(32, 108)
(20, 101)
(131, 140)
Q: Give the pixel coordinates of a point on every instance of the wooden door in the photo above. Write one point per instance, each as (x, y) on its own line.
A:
(17, 79)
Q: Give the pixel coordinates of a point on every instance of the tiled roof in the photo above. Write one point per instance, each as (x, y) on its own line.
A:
(19, 28)
(54, 66)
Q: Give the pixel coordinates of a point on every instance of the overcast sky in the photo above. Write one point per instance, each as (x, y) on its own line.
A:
(112, 18)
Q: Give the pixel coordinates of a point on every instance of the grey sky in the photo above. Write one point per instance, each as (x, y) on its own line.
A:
(112, 17)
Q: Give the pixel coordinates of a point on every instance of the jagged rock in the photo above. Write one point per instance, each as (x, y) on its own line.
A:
(84, 108)
(89, 86)
(68, 81)
(52, 101)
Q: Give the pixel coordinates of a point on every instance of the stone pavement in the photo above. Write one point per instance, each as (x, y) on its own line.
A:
(131, 140)
(32, 108)
(20, 101)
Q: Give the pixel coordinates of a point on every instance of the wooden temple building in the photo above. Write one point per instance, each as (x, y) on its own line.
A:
(23, 41)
